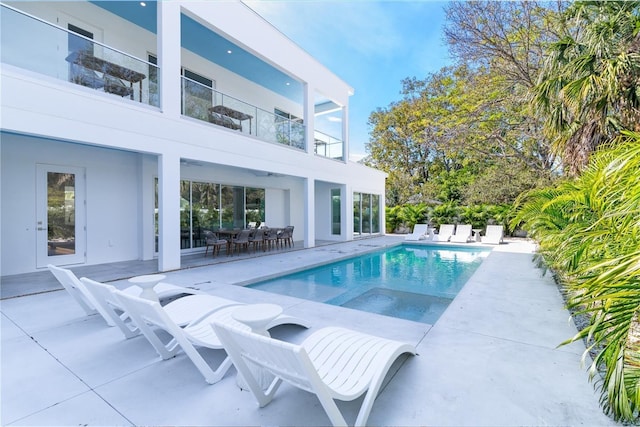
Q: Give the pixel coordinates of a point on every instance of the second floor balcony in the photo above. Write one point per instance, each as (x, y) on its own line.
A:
(218, 90)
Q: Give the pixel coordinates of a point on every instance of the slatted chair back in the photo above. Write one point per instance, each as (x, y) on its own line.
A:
(74, 287)
(110, 307)
(333, 363)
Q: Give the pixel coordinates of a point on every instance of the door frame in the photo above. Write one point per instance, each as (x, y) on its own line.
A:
(42, 239)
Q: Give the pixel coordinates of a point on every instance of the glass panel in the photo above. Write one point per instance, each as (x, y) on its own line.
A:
(205, 214)
(72, 56)
(356, 214)
(61, 213)
(185, 215)
(335, 211)
(197, 95)
(156, 223)
(232, 207)
(154, 88)
(328, 128)
(327, 146)
(375, 213)
(254, 210)
(201, 102)
(366, 214)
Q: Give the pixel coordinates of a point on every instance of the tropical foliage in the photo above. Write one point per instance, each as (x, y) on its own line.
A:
(588, 89)
(404, 217)
(537, 88)
(588, 230)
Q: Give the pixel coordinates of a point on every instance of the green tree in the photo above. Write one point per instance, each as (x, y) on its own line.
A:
(589, 90)
(505, 43)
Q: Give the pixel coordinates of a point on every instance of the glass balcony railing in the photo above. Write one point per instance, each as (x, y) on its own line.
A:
(328, 146)
(41, 47)
(32, 44)
(204, 103)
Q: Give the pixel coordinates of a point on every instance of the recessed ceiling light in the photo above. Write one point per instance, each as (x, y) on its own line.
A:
(288, 83)
(143, 4)
(229, 51)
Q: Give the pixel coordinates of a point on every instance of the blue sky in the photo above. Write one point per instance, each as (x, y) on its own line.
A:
(372, 45)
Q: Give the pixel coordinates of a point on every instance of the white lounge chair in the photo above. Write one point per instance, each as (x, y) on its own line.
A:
(333, 363)
(462, 234)
(145, 312)
(419, 232)
(72, 285)
(493, 235)
(182, 310)
(76, 289)
(444, 233)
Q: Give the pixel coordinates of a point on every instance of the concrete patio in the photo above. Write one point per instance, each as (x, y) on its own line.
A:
(491, 359)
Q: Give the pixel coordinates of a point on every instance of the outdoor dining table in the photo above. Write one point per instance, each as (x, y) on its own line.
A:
(230, 233)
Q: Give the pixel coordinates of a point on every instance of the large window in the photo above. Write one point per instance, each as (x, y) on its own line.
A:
(254, 205)
(366, 214)
(232, 207)
(375, 214)
(335, 212)
(357, 213)
(209, 206)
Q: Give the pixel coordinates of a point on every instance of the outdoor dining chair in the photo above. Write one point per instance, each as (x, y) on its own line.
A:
(270, 237)
(241, 240)
(285, 237)
(212, 239)
(257, 238)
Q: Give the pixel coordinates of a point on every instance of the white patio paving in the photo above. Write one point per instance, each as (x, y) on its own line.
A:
(490, 360)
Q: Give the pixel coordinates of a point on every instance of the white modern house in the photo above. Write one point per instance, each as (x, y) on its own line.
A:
(129, 128)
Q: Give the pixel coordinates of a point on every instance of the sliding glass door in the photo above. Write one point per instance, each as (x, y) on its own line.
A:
(210, 206)
(366, 214)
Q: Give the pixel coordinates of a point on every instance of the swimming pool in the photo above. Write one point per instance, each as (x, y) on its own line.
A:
(409, 282)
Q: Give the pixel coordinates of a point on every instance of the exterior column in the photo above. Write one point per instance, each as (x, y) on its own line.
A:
(345, 133)
(169, 58)
(347, 211)
(309, 117)
(383, 214)
(148, 166)
(168, 212)
(309, 213)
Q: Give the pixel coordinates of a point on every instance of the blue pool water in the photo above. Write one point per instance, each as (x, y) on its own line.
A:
(410, 282)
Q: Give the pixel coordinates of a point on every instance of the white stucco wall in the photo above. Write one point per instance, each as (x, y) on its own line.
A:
(120, 141)
(111, 211)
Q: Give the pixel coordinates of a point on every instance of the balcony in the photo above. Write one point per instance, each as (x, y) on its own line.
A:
(35, 45)
(328, 146)
(73, 55)
(204, 103)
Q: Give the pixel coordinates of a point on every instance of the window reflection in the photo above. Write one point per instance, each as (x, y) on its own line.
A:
(366, 213)
(209, 206)
(61, 213)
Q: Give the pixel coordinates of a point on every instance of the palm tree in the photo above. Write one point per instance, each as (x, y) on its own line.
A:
(589, 233)
(588, 88)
